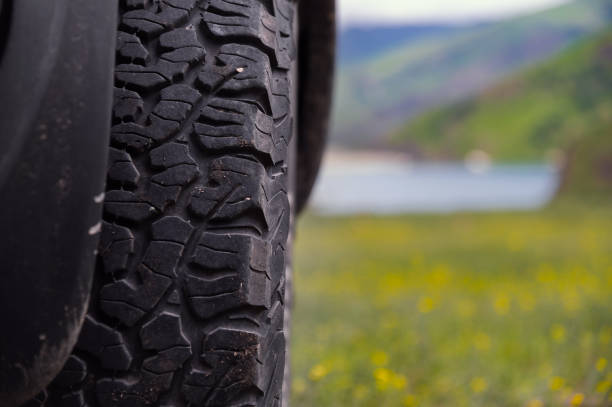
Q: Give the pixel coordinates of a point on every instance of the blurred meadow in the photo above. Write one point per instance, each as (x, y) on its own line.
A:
(504, 309)
(475, 306)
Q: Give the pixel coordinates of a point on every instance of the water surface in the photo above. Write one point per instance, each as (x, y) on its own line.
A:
(388, 187)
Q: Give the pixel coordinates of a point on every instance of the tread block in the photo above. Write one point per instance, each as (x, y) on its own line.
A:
(281, 109)
(180, 38)
(162, 257)
(128, 206)
(150, 77)
(241, 18)
(243, 263)
(115, 247)
(169, 360)
(161, 196)
(189, 55)
(105, 343)
(240, 68)
(274, 356)
(286, 46)
(131, 135)
(124, 393)
(179, 175)
(181, 93)
(130, 47)
(128, 300)
(242, 353)
(237, 19)
(170, 13)
(176, 103)
(163, 332)
(73, 372)
(161, 129)
(232, 252)
(169, 155)
(227, 124)
(238, 186)
(171, 228)
(180, 169)
(127, 105)
(121, 169)
(172, 110)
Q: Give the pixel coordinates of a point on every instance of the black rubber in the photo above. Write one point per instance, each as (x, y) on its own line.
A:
(56, 61)
(317, 61)
(188, 297)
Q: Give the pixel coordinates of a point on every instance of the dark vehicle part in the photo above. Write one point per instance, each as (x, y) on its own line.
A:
(317, 57)
(56, 60)
(188, 296)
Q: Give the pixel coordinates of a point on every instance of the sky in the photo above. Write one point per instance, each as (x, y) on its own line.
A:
(374, 12)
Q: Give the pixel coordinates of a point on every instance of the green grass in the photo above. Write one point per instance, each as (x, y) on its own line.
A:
(505, 309)
(556, 105)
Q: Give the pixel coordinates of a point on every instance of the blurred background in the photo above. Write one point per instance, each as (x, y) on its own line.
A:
(457, 250)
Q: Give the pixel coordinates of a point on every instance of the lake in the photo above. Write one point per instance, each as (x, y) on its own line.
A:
(392, 186)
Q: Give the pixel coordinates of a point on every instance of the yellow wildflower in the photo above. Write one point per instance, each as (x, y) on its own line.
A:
(398, 381)
(426, 304)
(382, 377)
(478, 384)
(501, 304)
(546, 274)
(482, 341)
(318, 372)
(379, 358)
(577, 399)
(601, 364)
(603, 386)
(386, 378)
(557, 333)
(440, 275)
(556, 383)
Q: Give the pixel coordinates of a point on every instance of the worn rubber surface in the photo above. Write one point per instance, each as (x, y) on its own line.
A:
(187, 304)
(317, 65)
(56, 80)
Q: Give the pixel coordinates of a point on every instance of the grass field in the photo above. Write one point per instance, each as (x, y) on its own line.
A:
(454, 310)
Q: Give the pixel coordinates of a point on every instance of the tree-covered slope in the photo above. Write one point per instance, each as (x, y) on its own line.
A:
(555, 105)
(376, 95)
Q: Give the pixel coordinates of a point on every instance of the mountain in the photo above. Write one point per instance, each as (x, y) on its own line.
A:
(358, 44)
(556, 105)
(379, 93)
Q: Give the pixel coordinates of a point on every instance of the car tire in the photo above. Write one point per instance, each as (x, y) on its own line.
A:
(187, 304)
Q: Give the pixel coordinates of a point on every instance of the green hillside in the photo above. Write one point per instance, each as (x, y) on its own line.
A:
(555, 105)
(377, 95)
